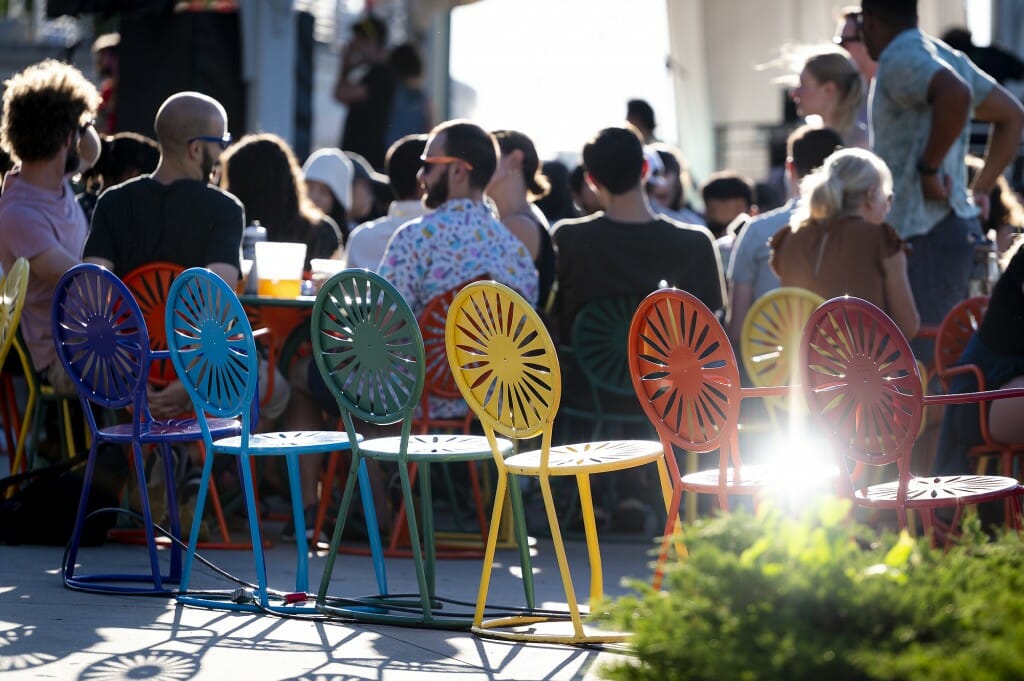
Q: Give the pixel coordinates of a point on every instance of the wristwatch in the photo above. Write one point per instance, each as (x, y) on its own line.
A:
(925, 169)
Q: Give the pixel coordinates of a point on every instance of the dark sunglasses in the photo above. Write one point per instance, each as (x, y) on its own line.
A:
(427, 161)
(224, 141)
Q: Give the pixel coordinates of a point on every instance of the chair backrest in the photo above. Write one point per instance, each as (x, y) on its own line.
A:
(101, 337)
(770, 337)
(599, 334)
(439, 379)
(211, 346)
(150, 285)
(12, 299)
(862, 382)
(684, 371)
(956, 330)
(503, 360)
(368, 348)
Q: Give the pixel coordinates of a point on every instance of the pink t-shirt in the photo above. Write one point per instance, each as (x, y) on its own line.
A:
(34, 220)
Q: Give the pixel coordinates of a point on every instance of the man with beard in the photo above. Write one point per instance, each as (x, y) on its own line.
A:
(175, 215)
(46, 109)
(461, 239)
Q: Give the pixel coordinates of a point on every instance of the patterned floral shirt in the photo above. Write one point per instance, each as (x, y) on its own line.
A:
(460, 241)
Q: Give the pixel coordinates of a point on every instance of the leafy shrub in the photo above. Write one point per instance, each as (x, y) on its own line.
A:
(818, 597)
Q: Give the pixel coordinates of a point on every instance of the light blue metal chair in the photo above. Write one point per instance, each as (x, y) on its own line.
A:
(211, 345)
(102, 342)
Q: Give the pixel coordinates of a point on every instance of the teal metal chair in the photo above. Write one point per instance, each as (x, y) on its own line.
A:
(214, 355)
(599, 333)
(369, 349)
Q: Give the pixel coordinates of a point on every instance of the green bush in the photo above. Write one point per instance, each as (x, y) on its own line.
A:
(818, 597)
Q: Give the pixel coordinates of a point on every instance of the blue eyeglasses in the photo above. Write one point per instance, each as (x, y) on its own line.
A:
(224, 141)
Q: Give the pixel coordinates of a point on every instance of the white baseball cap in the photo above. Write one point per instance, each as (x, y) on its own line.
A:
(332, 167)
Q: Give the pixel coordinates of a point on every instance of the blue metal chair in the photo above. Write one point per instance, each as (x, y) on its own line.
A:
(102, 342)
(369, 349)
(214, 354)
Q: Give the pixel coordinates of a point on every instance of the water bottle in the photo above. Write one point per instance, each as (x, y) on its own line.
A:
(253, 233)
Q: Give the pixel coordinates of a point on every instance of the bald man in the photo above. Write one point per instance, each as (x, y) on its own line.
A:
(174, 214)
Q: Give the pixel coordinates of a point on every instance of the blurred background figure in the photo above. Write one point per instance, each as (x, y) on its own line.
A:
(106, 55)
(1005, 221)
(122, 156)
(667, 186)
(584, 199)
(557, 205)
(832, 88)
(515, 185)
(411, 111)
(328, 174)
(367, 243)
(262, 172)
(993, 60)
(640, 115)
(366, 86)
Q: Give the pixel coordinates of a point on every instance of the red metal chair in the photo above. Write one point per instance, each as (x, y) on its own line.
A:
(861, 380)
(687, 379)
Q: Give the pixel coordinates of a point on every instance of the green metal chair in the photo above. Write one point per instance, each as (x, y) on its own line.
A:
(369, 349)
(599, 333)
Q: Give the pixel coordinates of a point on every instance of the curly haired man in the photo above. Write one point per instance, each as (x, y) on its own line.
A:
(47, 108)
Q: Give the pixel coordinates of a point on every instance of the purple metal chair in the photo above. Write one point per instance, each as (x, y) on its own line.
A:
(102, 342)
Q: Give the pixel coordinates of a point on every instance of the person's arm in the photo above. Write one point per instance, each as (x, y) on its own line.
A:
(345, 91)
(50, 265)
(902, 308)
(1006, 116)
(949, 98)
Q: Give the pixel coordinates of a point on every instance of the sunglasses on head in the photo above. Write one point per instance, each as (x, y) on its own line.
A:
(224, 141)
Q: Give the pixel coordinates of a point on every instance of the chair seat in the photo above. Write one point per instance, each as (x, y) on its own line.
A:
(587, 457)
(434, 448)
(929, 492)
(172, 430)
(756, 478)
(285, 442)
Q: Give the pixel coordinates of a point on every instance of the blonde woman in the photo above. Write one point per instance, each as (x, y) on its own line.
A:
(838, 242)
(832, 88)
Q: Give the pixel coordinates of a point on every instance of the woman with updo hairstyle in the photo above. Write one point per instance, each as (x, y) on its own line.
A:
(515, 185)
(831, 87)
(838, 242)
(263, 173)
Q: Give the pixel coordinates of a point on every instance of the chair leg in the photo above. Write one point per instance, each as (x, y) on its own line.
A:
(417, 555)
(522, 539)
(254, 526)
(492, 543)
(671, 524)
(172, 512)
(193, 535)
(76, 533)
(299, 518)
(590, 531)
(563, 563)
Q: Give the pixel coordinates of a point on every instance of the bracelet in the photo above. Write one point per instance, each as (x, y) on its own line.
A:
(924, 169)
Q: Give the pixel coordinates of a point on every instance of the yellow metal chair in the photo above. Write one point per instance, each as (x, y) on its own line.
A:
(12, 298)
(770, 338)
(506, 367)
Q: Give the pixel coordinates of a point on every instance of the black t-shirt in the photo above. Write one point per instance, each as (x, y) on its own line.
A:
(1002, 330)
(187, 222)
(323, 240)
(367, 121)
(602, 258)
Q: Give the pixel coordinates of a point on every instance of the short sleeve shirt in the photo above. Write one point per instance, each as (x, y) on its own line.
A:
(460, 241)
(34, 220)
(751, 252)
(901, 120)
(187, 222)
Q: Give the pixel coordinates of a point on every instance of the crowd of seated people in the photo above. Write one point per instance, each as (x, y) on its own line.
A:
(890, 218)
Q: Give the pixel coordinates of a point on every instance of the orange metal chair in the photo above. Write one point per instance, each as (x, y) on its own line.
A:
(687, 379)
(149, 285)
(861, 380)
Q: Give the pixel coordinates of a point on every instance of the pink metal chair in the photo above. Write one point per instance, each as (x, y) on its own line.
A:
(861, 380)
